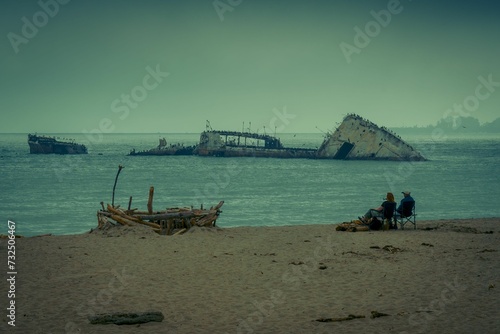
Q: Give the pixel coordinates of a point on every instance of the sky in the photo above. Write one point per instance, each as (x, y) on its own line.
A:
(288, 66)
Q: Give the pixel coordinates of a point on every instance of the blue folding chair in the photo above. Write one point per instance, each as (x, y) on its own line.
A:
(407, 215)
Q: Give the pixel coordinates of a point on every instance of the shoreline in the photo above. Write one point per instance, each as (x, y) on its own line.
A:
(408, 226)
(443, 277)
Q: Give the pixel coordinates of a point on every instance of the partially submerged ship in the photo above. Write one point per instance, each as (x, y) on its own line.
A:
(247, 144)
(163, 149)
(47, 145)
(355, 139)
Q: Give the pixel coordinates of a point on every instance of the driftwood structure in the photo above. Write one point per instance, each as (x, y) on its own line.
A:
(171, 221)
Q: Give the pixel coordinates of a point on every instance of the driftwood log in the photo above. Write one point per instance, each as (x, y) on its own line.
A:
(125, 318)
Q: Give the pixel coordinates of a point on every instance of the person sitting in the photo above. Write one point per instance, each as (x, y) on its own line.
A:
(406, 198)
(388, 205)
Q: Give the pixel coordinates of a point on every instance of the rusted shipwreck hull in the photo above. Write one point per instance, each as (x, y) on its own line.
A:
(355, 139)
(246, 144)
(48, 145)
(164, 149)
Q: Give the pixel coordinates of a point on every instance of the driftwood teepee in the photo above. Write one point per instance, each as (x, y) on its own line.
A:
(165, 222)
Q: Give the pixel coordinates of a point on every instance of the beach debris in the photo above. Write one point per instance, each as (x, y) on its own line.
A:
(349, 317)
(426, 244)
(171, 221)
(491, 286)
(6, 236)
(391, 249)
(120, 318)
(488, 251)
(352, 226)
(376, 314)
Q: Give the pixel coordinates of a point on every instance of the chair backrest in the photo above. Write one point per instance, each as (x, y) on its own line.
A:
(389, 210)
(408, 208)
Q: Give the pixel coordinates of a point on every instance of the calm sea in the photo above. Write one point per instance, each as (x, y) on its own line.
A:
(61, 194)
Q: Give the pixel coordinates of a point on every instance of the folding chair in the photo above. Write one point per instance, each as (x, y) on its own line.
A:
(407, 215)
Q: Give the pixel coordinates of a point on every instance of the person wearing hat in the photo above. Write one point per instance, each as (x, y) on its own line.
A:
(407, 198)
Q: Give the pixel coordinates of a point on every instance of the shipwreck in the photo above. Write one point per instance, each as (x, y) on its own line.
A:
(357, 138)
(164, 149)
(47, 145)
(247, 144)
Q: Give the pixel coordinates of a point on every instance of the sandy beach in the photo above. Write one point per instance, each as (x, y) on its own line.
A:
(443, 277)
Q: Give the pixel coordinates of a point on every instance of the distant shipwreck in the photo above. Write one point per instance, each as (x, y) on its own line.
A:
(359, 139)
(355, 138)
(247, 144)
(47, 145)
(163, 149)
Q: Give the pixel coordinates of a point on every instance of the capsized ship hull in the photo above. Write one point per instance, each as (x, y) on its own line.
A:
(357, 138)
(50, 145)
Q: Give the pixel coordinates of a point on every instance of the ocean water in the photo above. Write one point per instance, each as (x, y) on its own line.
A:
(60, 194)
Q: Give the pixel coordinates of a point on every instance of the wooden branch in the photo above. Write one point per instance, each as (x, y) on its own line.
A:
(207, 220)
(120, 167)
(131, 218)
(218, 206)
(170, 222)
(129, 203)
(150, 199)
(122, 220)
(180, 232)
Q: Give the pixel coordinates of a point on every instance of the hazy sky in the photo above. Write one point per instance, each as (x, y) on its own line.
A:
(290, 65)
